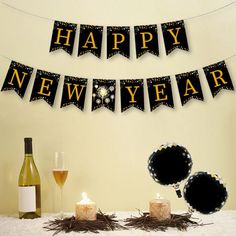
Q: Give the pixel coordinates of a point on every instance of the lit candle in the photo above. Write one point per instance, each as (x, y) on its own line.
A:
(159, 208)
(85, 209)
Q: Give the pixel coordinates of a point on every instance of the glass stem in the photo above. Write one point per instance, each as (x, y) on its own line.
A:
(61, 202)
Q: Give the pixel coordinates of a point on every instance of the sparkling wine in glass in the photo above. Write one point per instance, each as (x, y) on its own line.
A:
(60, 172)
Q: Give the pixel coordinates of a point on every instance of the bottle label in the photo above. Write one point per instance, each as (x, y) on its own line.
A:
(27, 199)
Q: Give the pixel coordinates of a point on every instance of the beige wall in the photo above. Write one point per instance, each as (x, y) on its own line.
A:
(108, 151)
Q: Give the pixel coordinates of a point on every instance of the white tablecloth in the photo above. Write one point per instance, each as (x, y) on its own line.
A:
(224, 224)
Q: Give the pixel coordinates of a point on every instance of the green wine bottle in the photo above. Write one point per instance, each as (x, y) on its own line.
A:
(29, 186)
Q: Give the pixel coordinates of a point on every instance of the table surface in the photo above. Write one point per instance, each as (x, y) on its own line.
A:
(223, 224)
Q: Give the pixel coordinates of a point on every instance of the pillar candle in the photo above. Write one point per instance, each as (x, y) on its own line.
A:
(159, 208)
(85, 209)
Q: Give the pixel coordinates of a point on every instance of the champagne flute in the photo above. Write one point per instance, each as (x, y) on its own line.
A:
(60, 172)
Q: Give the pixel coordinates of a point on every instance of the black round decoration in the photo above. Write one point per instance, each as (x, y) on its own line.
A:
(170, 164)
(205, 193)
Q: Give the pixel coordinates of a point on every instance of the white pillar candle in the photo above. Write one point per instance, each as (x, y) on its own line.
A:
(159, 208)
(85, 209)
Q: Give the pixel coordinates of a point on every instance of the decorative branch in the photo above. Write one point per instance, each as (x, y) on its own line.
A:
(104, 222)
(147, 223)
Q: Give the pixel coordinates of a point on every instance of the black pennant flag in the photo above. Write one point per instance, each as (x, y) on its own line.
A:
(218, 77)
(160, 92)
(90, 40)
(118, 41)
(146, 39)
(63, 36)
(45, 86)
(189, 86)
(74, 91)
(174, 36)
(104, 92)
(132, 94)
(17, 78)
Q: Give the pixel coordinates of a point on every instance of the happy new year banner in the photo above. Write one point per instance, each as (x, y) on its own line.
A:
(118, 41)
(90, 40)
(17, 78)
(63, 36)
(146, 39)
(131, 92)
(104, 91)
(45, 86)
(218, 77)
(189, 86)
(74, 90)
(174, 35)
(118, 38)
(160, 92)
(103, 94)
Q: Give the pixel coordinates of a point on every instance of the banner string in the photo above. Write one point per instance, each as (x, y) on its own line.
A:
(35, 68)
(26, 12)
(211, 12)
(50, 19)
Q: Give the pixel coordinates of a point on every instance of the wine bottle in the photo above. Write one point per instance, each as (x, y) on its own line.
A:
(29, 186)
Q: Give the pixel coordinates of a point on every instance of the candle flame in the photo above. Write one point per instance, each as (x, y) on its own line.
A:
(84, 195)
(85, 198)
(158, 196)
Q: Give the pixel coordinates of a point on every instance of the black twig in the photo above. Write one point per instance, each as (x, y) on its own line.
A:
(103, 222)
(147, 223)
